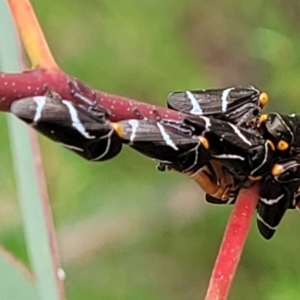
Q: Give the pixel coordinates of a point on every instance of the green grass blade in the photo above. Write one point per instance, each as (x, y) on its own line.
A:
(36, 214)
(15, 281)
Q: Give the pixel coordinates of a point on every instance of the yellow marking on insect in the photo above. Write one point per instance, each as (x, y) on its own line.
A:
(263, 99)
(204, 141)
(118, 129)
(254, 178)
(277, 170)
(282, 145)
(262, 118)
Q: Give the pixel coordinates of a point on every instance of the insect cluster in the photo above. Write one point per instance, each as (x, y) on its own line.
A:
(223, 142)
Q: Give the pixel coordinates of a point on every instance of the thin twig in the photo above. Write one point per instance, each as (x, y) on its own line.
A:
(32, 35)
(232, 245)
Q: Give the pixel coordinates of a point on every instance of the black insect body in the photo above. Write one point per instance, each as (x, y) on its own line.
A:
(221, 142)
(238, 105)
(229, 158)
(173, 146)
(280, 188)
(281, 139)
(236, 148)
(278, 193)
(87, 134)
(283, 130)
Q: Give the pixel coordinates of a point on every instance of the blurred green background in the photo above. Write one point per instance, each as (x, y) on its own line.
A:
(125, 230)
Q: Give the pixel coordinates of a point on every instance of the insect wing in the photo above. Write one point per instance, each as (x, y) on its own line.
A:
(294, 121)
(269, 217)
(229, 104)
(275, 198)
(70, 125)
(278, 194)
(170, 146)
(200, 102)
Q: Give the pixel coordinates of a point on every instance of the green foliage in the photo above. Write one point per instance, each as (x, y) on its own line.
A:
(153, 237)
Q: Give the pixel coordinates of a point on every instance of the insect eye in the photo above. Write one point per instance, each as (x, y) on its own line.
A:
(255, 112)
(263, 99)
(119, 129)
(282, 145)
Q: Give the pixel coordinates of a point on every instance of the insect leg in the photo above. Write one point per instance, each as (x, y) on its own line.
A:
(93, 104)
(215, 180)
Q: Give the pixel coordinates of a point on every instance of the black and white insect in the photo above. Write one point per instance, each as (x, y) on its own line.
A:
(277, 194)
(214, 147)
(238, 105)
(87, 134)
(282, 140)
(174, 147)
(187, 146)
(217, 154)
(236, 148)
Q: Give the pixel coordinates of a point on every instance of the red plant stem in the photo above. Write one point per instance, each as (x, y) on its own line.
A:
(38, 81)
(232, 245)
(48, 75)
